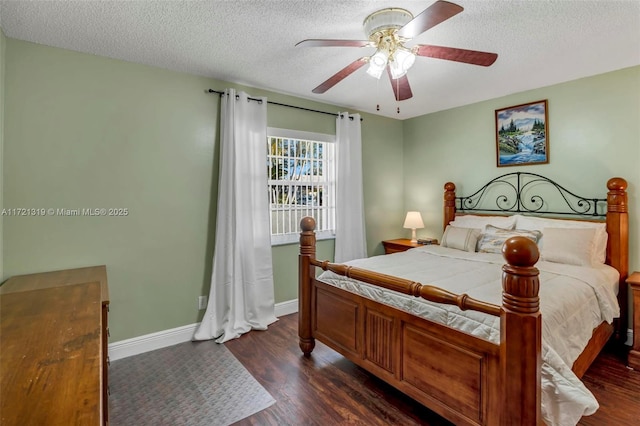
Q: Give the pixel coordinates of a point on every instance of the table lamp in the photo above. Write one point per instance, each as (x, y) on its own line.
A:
(413, 221)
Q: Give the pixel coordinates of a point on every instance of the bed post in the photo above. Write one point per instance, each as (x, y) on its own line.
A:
(449, 203)
(618, 245)
(305, 271)
(520, 334)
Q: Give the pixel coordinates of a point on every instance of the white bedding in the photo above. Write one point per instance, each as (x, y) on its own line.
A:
(573, 301)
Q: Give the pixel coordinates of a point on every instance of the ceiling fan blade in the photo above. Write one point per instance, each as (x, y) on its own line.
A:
(474, 57)
(340, 75)
(401, 87)
(334, 43)
(433, 15)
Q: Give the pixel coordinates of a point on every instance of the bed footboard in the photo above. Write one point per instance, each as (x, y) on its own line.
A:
(465, 379)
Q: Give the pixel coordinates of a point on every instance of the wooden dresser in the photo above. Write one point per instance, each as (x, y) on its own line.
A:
(53, 339)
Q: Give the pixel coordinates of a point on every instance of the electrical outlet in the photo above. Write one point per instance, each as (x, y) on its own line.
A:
(202, 302)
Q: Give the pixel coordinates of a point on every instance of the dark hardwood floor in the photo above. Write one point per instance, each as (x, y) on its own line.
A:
(327, 389)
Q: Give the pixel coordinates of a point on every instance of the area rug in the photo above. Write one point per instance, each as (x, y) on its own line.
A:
(193, 383)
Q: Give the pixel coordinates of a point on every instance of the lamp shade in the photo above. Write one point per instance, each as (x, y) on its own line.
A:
(375, 72)
(403, 59)
(378, 63)
(413, 221)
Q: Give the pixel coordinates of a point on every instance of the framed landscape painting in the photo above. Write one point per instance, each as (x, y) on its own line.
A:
(522, 134)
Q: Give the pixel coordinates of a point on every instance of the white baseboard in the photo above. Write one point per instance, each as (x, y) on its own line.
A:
(162, 339)
(286, 308)
(151, 342)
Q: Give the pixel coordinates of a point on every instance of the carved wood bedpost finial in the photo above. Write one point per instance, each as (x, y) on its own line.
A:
(617, 195)
(306, 272)
(520, 334)
(449, 203)
(618, 245)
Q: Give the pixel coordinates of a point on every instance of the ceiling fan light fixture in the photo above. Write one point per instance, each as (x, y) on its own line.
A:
(396, 70)
(403, 59)
(380, 58)
(386, 19)
(377, 63)
(374, 71)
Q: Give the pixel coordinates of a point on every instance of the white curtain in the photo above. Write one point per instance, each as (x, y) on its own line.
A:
(241, 296)
(350, 227)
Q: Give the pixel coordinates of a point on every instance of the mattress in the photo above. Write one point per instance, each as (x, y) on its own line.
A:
(573, 301)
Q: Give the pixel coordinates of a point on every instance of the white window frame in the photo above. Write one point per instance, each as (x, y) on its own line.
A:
(292, 235)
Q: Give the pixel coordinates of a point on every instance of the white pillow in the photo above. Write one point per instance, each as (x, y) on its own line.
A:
(460, 238)
(480, 222)
(494, 238)
(599, 252)
(573, 246)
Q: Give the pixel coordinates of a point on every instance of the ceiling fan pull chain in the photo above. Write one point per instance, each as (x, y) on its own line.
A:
(378, 94)
(397, 91)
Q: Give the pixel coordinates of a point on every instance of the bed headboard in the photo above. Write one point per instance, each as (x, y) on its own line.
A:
(522, 192)
(527, 193)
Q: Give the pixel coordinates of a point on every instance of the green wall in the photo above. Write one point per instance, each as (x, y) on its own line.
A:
(83, 131)
(594, 134)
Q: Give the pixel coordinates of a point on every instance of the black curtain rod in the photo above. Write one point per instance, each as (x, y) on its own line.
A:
(285, 105)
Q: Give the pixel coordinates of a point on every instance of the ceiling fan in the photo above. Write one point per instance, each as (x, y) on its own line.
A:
(388, 31)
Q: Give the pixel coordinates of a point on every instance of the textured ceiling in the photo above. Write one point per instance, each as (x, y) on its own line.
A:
(539, 43)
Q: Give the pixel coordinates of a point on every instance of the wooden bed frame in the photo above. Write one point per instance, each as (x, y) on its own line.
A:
(466, 379)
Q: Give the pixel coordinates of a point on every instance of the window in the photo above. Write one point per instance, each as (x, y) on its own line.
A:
(301, 175)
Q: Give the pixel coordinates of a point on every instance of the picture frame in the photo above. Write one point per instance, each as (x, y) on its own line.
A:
(522, 134)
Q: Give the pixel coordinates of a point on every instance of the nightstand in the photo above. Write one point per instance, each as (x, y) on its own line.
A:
(401, 244)
(634, 353)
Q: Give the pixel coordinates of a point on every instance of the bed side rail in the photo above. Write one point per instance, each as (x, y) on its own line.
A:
(411, 288)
